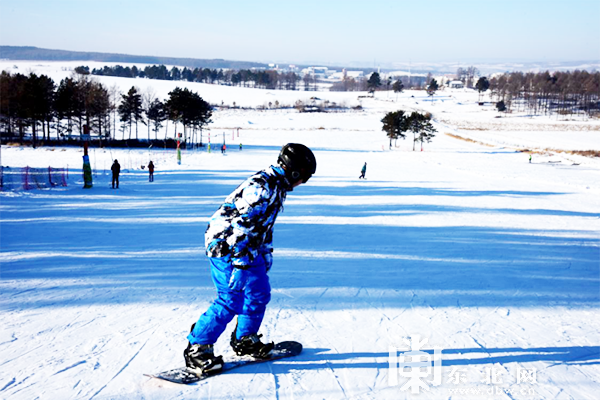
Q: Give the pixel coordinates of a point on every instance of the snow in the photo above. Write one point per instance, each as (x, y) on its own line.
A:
(492, 259)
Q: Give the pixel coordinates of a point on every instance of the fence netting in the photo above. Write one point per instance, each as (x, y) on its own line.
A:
(27, 178)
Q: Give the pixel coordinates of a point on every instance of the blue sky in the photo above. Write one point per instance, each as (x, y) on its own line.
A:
(329, 32)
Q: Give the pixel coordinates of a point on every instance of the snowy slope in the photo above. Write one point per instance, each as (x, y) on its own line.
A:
(490, 258)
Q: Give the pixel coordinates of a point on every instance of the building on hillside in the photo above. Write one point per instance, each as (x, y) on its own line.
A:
(456, 85)
(278, 68)
(318, 72)
(340, 76)
(444, 80)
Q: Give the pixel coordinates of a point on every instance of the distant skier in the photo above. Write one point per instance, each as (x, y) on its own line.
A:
(151, 171)
(239, 246)
(530, 158)
(116, 170)
(223, 149)
(363, 171)
(240, 146)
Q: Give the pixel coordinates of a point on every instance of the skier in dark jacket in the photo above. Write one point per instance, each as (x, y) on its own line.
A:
(239, 246)
(363, 171)
(151, 172)
(116, 170)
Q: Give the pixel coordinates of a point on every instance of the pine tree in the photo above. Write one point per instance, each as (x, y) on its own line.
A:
(501, 106)
(130, 109)
(175, 74)
(38, 96)
(395, 124)
(156, 114)
(97, 107)
(420, 125)
(482, 85)
(398, 86)
(374, 82)
(68, 104)
(188, 108)
(432, 88)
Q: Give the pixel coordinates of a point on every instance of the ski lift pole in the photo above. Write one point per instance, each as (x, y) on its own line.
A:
(87, 168)
(178, 149)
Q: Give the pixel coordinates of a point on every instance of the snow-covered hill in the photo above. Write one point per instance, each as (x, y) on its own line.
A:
(494, 260)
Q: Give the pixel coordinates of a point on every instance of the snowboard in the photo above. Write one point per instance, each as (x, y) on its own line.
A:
(185, 376)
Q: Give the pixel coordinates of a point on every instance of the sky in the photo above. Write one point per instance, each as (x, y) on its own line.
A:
(330, 32)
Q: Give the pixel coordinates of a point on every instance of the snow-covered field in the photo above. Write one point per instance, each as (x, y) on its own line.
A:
(494, 260)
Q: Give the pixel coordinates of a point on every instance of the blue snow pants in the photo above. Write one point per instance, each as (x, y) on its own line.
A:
(249, 304)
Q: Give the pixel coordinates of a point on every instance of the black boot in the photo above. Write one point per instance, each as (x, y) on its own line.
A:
(251, 345)
(201, 358)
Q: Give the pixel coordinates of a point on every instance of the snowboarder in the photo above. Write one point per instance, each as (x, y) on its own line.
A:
(363, 171)
(240, 147)
(530, 158)
(116, 170)
(239, 246)
(151, 171)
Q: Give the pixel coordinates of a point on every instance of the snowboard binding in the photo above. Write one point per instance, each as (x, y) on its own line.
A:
(200, 359)
(251, 345)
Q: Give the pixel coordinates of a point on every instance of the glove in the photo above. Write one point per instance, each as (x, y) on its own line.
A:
(268, 260)
(239, 279)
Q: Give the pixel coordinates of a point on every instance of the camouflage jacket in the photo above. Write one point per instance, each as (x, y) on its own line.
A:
(242, 227)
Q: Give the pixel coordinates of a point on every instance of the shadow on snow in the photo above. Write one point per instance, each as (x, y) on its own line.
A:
(145, 243)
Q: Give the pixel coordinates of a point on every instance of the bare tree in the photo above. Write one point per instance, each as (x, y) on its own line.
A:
(115, 97)
(148, 97)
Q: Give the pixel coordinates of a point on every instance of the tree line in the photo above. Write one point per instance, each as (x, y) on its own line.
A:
(266, 79)
(565, 93)
(37, 104)
(374, 82)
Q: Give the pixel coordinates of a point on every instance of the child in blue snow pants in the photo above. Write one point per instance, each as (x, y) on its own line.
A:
(239, 246)
(248, 301)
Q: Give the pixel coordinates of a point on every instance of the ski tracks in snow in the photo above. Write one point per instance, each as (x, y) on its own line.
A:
(357, 327)
(329, 365)
(124, 366)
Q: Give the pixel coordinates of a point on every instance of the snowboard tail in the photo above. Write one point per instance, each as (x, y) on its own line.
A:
(186, 376)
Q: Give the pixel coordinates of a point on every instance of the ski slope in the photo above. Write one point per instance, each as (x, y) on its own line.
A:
(494, 260)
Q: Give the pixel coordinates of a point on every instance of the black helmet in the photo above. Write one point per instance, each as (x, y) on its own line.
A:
(298, 160)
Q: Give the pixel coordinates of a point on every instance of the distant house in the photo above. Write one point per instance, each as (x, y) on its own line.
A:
(340, 76)
(318, 72)
(456, 85)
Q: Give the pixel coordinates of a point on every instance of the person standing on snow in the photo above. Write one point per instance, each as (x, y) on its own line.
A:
(363, 171)
(151, 171)
(239, 246)
(116, 170)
